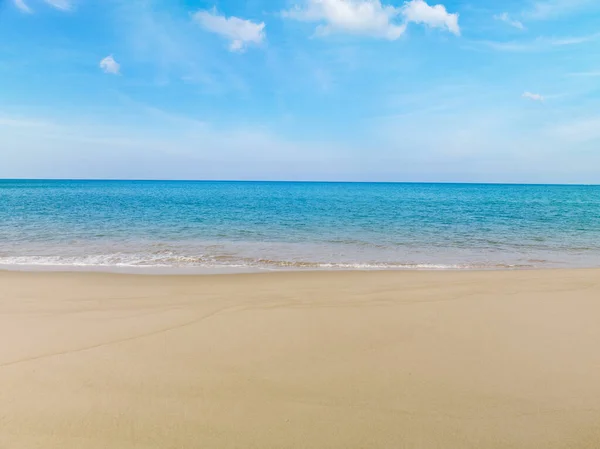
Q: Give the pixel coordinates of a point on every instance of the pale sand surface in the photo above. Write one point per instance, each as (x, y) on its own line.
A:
(301, 360)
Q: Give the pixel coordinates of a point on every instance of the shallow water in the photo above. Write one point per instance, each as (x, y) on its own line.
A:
(200, 226)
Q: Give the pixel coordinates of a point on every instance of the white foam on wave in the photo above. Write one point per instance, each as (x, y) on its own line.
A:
(169, 260)
(106, 260)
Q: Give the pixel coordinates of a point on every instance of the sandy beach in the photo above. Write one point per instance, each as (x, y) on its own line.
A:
(301, 360)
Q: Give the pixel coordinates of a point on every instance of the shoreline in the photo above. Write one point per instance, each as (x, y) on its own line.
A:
(224, 271)
(442, 274)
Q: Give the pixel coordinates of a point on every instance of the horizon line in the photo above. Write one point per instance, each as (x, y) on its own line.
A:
(298, 181)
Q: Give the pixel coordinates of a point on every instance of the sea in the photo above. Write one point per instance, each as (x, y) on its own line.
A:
(220, 227)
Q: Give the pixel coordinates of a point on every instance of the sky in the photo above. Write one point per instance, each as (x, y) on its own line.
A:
(340, 90)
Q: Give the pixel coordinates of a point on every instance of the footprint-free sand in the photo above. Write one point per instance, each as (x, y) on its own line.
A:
(340, 360)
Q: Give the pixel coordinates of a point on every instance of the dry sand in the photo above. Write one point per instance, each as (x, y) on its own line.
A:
(301, 360)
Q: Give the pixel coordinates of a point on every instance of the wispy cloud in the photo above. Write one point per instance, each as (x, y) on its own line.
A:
(175, 147)
(22, 6)
(371, 17)
(574, 40)
(63, 5)
(591, 74)
(18, 122)
(532, 96)
(553, 9)
(323, 79)
(585, 129)
(174, 47)
(240, 32)
(504, 17)
(154, 37)
(163, 116)
(110, 66)
(539, 44)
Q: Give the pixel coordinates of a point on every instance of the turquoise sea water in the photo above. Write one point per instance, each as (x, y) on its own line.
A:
(199, 226)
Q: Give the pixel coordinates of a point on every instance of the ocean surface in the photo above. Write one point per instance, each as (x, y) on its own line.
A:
(248, 226)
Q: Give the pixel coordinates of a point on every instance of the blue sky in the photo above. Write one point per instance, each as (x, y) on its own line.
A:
(367, 90)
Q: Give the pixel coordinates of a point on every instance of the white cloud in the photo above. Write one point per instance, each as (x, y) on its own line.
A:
(418, 11)
(366, 17)
(240, 32)
(504, 17)
(64, 5)
(109, 65)
(533, 97)
(371, 17)
(22, 6)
